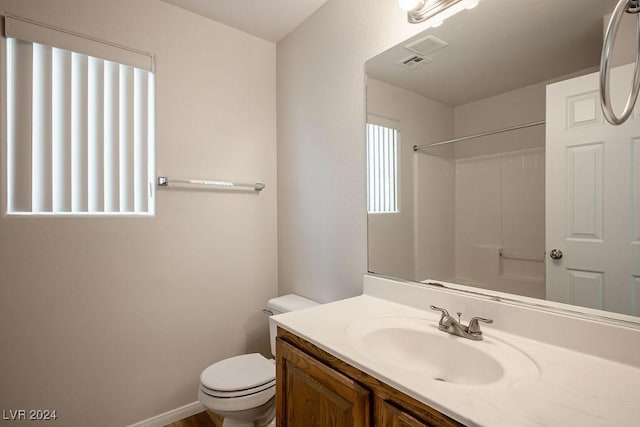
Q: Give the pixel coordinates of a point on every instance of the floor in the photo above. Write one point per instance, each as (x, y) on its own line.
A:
(203, 419)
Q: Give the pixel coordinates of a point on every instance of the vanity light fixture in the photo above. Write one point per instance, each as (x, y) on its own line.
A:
(434, 11)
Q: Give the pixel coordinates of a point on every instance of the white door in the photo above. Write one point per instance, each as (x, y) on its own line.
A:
(592, 197)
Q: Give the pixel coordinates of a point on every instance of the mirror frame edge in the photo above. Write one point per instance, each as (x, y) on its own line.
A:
(583, 313)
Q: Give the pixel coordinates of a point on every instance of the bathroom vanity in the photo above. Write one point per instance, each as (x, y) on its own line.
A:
(379, 360)
(497, 190)
(316, 388)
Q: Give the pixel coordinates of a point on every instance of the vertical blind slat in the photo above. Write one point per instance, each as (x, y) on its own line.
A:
(151, 137)
(369, 172)
(378, 162)
(379, 142)
(383, 168)
(41, 130)
(96, 134)
(126, 139)
(20, 89)
(390, 133)
(385, 165)
(389, 183)
(61, 131)
(395, 170)
(79, 179)
(140, 140)
(111, 137)
(376, 169)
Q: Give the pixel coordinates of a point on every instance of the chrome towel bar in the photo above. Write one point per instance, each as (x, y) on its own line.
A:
(163, 181)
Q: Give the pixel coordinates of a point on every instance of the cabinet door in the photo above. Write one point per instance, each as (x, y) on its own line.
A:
(310, 394)
(391, 416)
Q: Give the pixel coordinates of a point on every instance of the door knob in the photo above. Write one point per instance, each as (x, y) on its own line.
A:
(555, 254)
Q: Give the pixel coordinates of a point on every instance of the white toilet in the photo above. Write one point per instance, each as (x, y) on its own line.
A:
(242, 389)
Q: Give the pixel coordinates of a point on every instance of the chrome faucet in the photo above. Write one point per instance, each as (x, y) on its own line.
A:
(452, 326)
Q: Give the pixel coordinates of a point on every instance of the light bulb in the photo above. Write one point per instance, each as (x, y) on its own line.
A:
(408, 5)
(472, 3)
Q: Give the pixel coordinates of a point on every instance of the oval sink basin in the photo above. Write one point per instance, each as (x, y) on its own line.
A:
(442, 358)
(413, 346)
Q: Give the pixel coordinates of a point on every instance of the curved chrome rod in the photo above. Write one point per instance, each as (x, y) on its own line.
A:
(630, 6)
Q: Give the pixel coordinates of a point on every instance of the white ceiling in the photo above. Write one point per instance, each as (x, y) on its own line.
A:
(499, 46)
(271, 20)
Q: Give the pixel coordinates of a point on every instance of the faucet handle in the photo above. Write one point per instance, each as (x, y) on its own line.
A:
(474, 326)
(444, 312)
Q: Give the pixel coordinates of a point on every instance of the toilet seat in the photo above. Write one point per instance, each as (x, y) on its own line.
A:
(238, 393)
(235, 404)
(239, 383)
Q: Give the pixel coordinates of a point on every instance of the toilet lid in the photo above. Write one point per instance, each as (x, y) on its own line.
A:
(239, 373)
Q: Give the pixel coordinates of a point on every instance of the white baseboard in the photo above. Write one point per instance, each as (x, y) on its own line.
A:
(171, 416)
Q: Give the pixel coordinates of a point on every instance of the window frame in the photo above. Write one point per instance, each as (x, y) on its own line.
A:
(150, 160)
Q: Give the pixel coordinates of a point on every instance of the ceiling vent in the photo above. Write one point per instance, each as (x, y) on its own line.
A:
(414, 61)
(426, 45)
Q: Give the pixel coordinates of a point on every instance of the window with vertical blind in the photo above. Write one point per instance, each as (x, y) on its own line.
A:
(382, 169)
(80, 124)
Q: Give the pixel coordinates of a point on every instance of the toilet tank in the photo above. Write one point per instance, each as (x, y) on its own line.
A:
(284, 304)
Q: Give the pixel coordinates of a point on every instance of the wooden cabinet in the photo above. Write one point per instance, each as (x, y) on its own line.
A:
(316, 389)
(314, 395)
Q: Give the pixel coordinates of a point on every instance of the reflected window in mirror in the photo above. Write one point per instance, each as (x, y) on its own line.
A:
(382, 167)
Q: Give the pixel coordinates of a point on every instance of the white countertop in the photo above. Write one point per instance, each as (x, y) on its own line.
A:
(572, 388)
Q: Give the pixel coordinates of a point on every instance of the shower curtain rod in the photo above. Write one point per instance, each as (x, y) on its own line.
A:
(493, 132)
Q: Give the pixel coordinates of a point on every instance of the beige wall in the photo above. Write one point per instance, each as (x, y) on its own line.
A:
(322, 224)
(110, 321)
(624, 47)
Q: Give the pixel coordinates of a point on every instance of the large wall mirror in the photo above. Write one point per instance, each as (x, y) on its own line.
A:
(490, 164)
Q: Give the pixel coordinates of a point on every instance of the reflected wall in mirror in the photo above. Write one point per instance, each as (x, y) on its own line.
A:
(487, 211)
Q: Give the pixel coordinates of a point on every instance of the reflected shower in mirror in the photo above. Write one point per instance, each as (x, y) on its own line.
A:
(503, 174)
